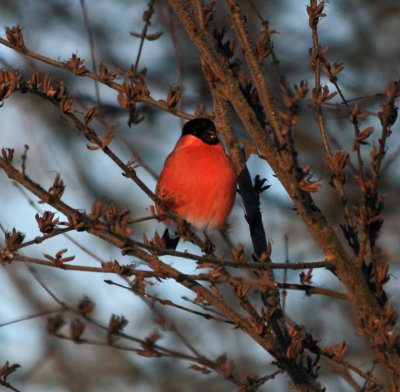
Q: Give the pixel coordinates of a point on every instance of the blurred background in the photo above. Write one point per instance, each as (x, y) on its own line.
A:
(361, 34)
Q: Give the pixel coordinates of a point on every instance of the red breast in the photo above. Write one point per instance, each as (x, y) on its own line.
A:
(198, 182)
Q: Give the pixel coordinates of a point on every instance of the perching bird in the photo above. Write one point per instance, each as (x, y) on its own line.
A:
(198, 181)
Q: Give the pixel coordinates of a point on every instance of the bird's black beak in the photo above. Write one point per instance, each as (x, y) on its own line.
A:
(210, 136)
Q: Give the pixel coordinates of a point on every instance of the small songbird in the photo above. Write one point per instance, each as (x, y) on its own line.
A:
(198, 181)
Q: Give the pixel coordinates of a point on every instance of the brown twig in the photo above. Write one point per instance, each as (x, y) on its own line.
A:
(146, 17)
(257, 73)
(356, 370)
(91, 45)
(207, 316)
(114, 85)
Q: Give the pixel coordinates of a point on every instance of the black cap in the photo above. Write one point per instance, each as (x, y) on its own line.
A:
(203, 128)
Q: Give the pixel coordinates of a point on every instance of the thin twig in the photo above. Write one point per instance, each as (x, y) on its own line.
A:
(355, 369)
(207, 316)
(52, 295)
(147, 17)
(114, 85)
(91, 45)
(30, 317)
(178, 64)
(284, 292)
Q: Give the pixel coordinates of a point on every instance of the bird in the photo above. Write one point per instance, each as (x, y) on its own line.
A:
(198, 181)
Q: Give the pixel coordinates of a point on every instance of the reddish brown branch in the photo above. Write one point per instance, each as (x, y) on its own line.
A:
(116, 86)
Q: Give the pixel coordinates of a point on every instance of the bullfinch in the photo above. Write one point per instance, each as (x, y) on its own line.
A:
(198, 181)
